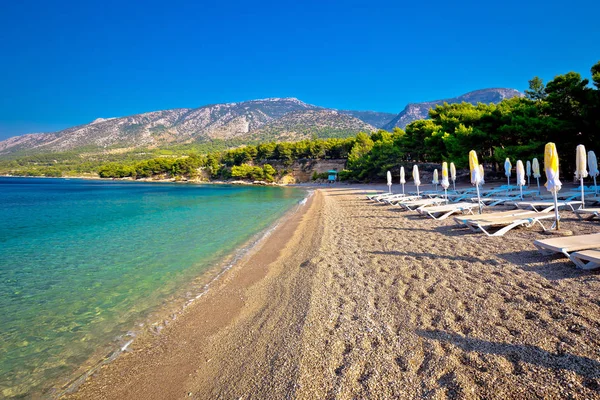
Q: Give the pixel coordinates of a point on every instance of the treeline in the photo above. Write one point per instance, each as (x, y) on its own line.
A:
(246, 162)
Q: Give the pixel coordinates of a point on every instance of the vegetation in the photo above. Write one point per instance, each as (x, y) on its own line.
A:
(566, 111)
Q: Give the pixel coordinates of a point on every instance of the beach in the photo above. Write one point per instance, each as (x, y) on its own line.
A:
(350, 299)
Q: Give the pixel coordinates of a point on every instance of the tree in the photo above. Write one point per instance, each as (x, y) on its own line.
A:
(536, 91)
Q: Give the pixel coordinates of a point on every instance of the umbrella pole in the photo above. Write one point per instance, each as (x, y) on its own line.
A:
(538, 182)
(403, 189)
(521, 187)
(582, 192)
(478, 198)
(454, 185)
(595, 186)
(508, 186)
(389, 188)
(417, 190)
(556, 210)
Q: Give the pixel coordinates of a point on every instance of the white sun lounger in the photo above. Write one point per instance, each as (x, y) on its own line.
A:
(586, 259)
(546, 206)
(568, 244)
(443, 212)
(401, 198)
(414, 204)
(499, 226)
(588, 213)
(495, 201)
(462, 219)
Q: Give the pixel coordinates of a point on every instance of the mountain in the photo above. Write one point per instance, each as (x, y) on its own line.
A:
(377, 119)
(415, 111)
(303, 124)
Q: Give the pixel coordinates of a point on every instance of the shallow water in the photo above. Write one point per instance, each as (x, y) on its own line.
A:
(82, 261)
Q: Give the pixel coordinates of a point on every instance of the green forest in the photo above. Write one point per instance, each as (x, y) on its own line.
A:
(565, 110)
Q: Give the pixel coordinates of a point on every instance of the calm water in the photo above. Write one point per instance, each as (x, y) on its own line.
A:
(82, 261)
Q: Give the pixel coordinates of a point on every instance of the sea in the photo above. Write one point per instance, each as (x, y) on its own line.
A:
(86, 264)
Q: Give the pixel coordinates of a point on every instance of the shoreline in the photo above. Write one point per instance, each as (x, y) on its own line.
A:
(151, 325)
(177, 304)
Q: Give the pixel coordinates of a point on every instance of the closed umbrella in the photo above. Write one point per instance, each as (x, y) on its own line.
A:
(551, 167)
(475, 174)
(402, 178)
(535, 167)
(445, 183)
(507, 168)
(481, 175)
(416, 178)
(528, 169)
(520, 176)
(581, 169)
(593, 164)
(389, 181)
(453, 175)
(435, 180)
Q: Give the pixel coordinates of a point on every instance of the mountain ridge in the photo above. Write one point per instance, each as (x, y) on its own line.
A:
(277, 118)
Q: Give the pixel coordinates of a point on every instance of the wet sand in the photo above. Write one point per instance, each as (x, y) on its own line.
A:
(350, 299)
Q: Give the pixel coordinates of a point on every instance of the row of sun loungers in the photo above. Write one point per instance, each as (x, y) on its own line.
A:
(582, 250)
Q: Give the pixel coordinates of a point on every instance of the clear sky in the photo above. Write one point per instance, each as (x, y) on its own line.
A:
(64, 63)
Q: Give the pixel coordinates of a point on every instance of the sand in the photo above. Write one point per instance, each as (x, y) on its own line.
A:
(354, 300)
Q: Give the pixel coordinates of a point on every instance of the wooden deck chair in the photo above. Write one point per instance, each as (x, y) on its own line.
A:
(586, 259)
(444, 211)
(588, 213)
(568, 244)
(500, 226)
(546, 206)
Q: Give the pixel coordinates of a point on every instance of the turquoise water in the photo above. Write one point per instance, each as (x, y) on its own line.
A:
(82, 261)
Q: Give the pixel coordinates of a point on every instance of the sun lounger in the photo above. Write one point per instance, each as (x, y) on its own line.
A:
(397, 199)
(378, 196)
(586, 259)
(588, 213)
(567, 245)
(443, 212)
(462, 219)
(546, 206)
(499, 226)
(414, 204)
(495, 201)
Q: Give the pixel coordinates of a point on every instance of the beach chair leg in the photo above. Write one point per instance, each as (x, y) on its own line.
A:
(583, 264)
(544, 251)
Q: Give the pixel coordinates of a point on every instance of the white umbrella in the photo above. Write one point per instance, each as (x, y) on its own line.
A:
(520, 176)
(593, 164)
(445, 184)
(435, 180)
(551, 167)
(453, 175)
(416, 177)
(507, 168)
(475, 174)
(402, 178)
(528, 169)
(389, 181)
(481, 175)
(581, 169)
(535, 167)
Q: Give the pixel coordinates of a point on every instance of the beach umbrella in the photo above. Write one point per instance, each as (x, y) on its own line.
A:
(481, 175)
(535, 167)
(475, 174)
(453, 175)
(581, 169)
(593, 164)
(551, 167)
(507, 168)
(435, 180)
(528, 169)
(389, 181)
(445, 183)
(416, 177)
(520, 176)
(402, 178)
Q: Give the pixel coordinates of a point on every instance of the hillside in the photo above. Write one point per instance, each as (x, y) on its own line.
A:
(415, 111)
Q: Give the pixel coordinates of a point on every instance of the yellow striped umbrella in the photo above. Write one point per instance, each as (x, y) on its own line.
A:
(553, 182)
(436, 179)
(475, 174)
(453, 175)
(535, 167)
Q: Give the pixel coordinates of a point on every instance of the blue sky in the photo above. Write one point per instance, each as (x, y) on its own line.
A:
(65, 63)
